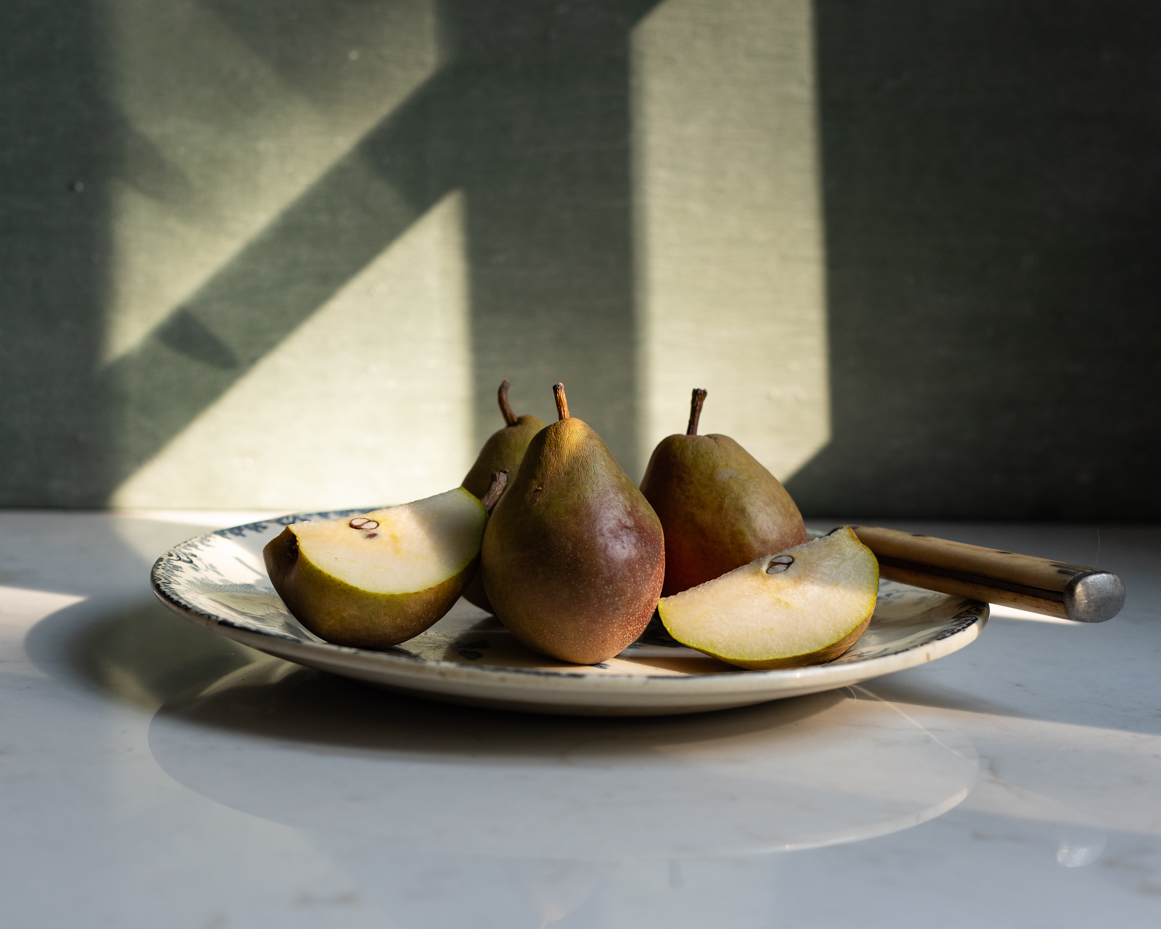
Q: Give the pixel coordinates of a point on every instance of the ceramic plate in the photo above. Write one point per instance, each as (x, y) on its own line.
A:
(219, 581)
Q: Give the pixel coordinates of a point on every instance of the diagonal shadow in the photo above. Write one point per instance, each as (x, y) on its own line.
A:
(530, 119)
(322, 240)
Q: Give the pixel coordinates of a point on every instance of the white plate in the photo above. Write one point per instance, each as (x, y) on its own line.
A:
(219, 581)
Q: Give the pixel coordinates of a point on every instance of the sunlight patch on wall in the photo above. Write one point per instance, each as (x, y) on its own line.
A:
(730, 250)
(226, 117)
(368, 402)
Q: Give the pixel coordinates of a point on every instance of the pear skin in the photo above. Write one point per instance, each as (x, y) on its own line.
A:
(503, 451)
(719, 507)
(573, 557)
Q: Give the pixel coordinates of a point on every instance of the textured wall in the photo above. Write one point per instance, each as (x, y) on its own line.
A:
(272, 254)
(993, 231)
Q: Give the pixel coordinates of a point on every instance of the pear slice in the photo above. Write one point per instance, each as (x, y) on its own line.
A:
(378, 579)
(804, 605)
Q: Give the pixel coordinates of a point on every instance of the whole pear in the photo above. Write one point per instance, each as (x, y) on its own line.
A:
(719, 507)
(573, 557)
(503, 451)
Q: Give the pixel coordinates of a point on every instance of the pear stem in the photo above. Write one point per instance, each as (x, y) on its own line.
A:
(505, 408)
(561, 400)
(499, 482)
(695, 410)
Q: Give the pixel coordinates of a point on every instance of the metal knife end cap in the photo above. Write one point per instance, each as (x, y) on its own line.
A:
(1094, 597)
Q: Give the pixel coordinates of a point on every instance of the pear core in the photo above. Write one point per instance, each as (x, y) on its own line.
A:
(812, 608)
(413, 547)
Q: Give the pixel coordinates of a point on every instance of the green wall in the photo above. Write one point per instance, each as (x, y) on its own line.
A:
(993, 217)
(279, 254)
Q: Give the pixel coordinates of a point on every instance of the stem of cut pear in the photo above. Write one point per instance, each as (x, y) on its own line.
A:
(561, 400)
(499, 482)
(695, 410)
(505, 408)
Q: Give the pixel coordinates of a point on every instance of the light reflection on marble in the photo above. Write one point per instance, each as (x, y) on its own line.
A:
(1078, 846)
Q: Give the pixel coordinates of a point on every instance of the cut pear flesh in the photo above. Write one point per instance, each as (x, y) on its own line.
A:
(375, 580)
(410, 547)
(805, 605)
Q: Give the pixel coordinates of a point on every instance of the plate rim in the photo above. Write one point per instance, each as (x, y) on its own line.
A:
(417, 668)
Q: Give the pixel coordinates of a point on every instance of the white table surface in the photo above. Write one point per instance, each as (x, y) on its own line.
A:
(154, 774)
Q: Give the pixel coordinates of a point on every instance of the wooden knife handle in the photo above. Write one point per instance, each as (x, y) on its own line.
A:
(1053, 588)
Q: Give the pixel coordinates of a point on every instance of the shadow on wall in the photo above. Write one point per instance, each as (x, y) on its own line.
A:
(993, 218)
(992, 209)
(529, 117)
(58, 152)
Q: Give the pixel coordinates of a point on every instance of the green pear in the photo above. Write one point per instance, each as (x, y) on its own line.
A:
(805, 605)
(573, 556)
(503, 451)
(719, 507)
(375, 580)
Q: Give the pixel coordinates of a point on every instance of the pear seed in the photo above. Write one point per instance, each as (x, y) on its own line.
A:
(361, 522)
(780, 563)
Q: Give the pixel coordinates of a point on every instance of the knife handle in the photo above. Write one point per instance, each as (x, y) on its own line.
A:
(1053, 588)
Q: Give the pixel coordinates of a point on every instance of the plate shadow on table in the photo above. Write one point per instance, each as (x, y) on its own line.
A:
(118, 640)
(274, 699)
(135, 650)
(326, 754)
(132, 649)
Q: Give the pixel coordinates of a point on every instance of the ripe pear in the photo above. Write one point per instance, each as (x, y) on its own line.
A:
(503, 451)
(573, 556)
(806, 605)
(719, 507)
(375, 580)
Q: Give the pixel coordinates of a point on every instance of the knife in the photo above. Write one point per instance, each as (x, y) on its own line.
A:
(1052, 588)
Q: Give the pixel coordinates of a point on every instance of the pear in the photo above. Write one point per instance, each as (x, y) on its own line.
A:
(375, 580)
(573, 556)
(719, 507)
(503, 451)
(803, 606)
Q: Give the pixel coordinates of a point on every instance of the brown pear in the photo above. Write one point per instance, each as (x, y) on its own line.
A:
(719, 507)
(503, 451)
(573, 556)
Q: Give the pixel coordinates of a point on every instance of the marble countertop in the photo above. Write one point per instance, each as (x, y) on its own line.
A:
(153, 773)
